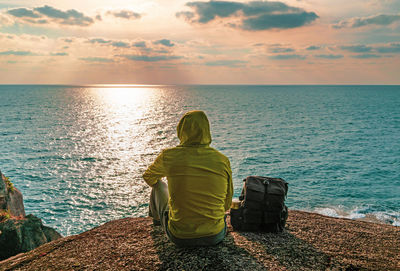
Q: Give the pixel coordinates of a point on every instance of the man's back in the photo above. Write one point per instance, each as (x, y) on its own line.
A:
(199, 180)
(198, 185)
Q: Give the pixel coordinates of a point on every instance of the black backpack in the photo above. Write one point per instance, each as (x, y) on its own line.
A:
(262, 205)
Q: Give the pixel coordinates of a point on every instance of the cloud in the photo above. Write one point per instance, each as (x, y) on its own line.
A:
(279, 49)
(120, 44)
(48, 14)
(99, 40)
(381, 19)
(329, 56)
(97, 59)
(383, 49)
(313, 48)
(59, 54)
(229, 63)
(125, 14)
(70, 17)
(283, 21)
(286, 57)
(207, 11)
(164, 42)
(154, 58)
(140, 44)
(23, 12)
(5, 20)
(254, 15)
(187, 15)
(366, 56)
(17, 53)
(391, 48)
(356, 48)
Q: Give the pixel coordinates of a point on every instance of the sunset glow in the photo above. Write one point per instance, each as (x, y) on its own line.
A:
(200, 42)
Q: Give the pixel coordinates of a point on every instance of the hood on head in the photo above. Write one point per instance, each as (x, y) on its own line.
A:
(194, 129)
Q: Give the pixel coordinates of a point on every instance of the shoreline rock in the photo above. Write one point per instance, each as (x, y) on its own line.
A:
(310, 242)
(11, 198)
(18, 232)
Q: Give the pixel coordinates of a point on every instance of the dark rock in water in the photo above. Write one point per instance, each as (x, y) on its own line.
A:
(19, 233)
(10, 198)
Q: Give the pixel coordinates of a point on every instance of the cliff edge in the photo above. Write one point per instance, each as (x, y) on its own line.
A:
(310, 242)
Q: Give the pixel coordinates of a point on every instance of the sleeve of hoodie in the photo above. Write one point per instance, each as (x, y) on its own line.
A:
(229, 194)
(155, 171)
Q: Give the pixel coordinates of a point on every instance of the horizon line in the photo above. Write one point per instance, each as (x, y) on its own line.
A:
(154, 85)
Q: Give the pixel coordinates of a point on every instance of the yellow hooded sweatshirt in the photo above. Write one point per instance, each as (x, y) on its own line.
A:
(199, 180)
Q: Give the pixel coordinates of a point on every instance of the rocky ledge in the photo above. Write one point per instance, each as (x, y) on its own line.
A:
(310, 242)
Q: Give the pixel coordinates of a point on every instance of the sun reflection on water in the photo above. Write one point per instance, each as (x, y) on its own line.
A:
(123, 109)
(114, 144)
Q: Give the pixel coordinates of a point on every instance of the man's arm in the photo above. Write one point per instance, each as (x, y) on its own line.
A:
(229, 194)
(155, 171)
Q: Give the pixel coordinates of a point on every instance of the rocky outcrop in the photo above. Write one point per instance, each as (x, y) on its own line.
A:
(22, 235)
(310, 242)
(19, 233)
(10, 198)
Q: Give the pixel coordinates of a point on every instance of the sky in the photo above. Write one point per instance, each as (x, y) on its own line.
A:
(200, 42)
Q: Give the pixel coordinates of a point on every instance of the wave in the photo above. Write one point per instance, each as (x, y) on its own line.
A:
(364, 213)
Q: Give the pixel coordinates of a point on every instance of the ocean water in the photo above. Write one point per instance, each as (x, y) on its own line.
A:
(77, 153)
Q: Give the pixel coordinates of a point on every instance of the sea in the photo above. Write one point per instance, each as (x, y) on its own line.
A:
(77, 153)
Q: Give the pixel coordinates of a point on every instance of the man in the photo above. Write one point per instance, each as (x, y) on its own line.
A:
(191, 207)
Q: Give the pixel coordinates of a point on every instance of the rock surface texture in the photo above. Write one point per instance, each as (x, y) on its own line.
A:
(310, 242)
(19, 233)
